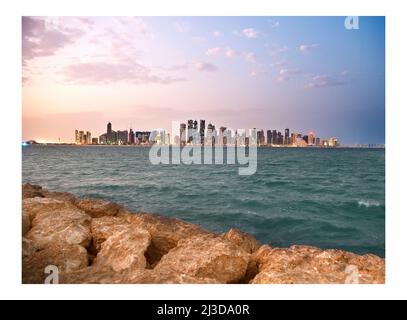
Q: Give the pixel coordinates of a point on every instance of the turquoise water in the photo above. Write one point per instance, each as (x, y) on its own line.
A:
(330, 198)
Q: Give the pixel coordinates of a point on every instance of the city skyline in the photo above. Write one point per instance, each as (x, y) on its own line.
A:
(194, 132)
(243, 72)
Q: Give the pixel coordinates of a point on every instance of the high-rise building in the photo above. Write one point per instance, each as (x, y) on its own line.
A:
(318, 141)
(109, 128)
(182, 134)
(95, 141)
(280, 138)
(306, 139)
(311, 138)
(202, 131)
(77, 139)
(269, 137)
(122, 137)
(131, 136)
(88, 137)
(287, 136)
(82, 137)
(260, 138)
(222, 136)
(275, 137)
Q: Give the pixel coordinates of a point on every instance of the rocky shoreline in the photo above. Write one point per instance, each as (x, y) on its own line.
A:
(96, 241)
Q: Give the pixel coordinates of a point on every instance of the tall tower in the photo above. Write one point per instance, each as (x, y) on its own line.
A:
(109, 128)
(287, 136)
(311, 138)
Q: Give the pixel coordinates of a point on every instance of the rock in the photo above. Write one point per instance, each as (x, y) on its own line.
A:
(97, 208)
(124, 250)
(63, 225)
(66, 257)
(165, 233)
(33, 206)
(63, 196)
(25, 223)
(309, 265)
(207, 256)
(96, 275)
(28, 248)
(105, 227)
(31, 191)
(241, 239)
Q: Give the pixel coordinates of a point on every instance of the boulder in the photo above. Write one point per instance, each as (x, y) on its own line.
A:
(105, 227)
(310, 265)
(28, 248)
(66, 257)
(31, 191)
(33, 206)
(69, 226)
(25, 223)
(241, 239)
(97, 208)
(124, 250)
(165, 232)
(207, 256)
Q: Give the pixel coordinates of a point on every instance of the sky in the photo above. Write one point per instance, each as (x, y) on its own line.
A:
(303, 73)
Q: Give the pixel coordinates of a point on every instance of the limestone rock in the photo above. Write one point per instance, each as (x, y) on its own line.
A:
(28, 248)
(33, 206)
(66, 257)
(64, 225)
(241, 239)
(165, 232)
(124, 250)
(31, 191)
(309, 265)
(207, 256)
(97, 208)
(25, 223)
(105, 227)
(97, 275)
(63, 196)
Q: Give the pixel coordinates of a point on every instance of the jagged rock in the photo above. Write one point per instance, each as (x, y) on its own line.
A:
(242, 239)
(31, 191)
(105, 227)
(64, 256)
(28, 248)
(62, 225)
(165, 232)
(25, 223)
(63, 196)
(97, 208)
(33, 206)
(124, 250)
(309, 265)
(207, 256)
(97, 275)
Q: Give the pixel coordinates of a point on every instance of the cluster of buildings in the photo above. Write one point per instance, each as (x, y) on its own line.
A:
(197, 133)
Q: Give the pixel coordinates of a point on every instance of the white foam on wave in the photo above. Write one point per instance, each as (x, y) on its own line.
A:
(368, 203)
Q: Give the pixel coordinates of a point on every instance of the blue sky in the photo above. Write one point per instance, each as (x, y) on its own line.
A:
(304, 73)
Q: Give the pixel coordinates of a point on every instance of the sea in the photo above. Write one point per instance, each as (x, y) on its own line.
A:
(329, 198)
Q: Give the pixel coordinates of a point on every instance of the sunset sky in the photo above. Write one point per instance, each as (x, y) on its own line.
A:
(303, 73)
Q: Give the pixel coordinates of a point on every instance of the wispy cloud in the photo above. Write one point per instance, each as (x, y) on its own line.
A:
(321, 81)
(40, 39)
(206, 67)
(250, 57)
(216, 34)
(213, 51)
(232, 53)
(250, 33)
(96, 73)
(306, 48)
(182, 27)
(285, 74)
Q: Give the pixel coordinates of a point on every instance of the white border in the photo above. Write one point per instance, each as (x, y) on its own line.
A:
(396, 213)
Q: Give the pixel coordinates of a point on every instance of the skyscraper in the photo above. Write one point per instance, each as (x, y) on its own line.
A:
(131, 136)
(202, 131)
(269, 137)
(183, 134)
(275, 137)
(88, 138)
(109, 128)
(311, 138)
(287, 137)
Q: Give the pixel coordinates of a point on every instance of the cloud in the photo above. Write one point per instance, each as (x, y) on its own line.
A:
(207, 67)
(138, 25)
(250, 57)
(305, 48)
(344, 73)
(250, 33)
(95, 73)
(321, 81)
(274, 24)
(40, 39)
(231, 53)
(216, 34)
(213, 51)
(182, 27)
(285, 74)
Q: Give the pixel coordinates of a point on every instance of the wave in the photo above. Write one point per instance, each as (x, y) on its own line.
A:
(368, 203)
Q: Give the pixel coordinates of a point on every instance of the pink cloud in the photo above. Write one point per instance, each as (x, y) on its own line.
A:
(203, 66)
(250, 33)
(213, 51)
